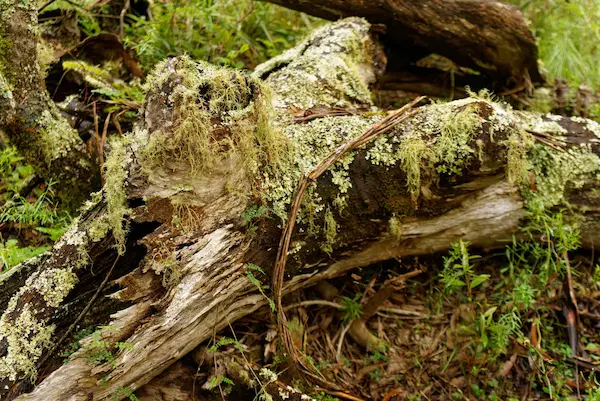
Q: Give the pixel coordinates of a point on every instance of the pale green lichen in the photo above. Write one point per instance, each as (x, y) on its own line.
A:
(555, 171)
(320, 136)
(55, 284)
(57, 136)
(307, 81)
(26, 338)
(28, 335)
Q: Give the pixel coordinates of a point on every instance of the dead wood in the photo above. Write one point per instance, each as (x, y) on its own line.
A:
(183, 249)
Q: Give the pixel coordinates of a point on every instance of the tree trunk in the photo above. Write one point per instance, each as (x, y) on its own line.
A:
(488, 36)
(178, 229)
(28, 115)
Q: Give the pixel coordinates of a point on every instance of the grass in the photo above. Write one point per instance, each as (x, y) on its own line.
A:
(28, 225)
(236, 33)
(568, 34)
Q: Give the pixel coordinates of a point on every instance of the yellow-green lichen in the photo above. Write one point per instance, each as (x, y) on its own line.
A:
(395, 227)
(116, 167)
(452, 149)
(218, 112)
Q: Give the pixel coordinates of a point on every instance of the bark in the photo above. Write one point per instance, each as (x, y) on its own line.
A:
(28, 115)
(461, 170)
(488, 36)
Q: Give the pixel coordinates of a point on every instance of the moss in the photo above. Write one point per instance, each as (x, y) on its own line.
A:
(93, 75)
(542, 101)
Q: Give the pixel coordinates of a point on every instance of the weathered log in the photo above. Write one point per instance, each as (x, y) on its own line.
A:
(214, 144)
(488, 36)
(28, 115)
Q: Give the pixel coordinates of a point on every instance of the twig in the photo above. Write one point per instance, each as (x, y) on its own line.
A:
(381, 127)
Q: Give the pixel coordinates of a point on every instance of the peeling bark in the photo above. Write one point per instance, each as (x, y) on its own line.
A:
(450, 172)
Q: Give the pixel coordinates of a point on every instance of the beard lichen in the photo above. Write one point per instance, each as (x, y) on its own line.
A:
(217, 112)
(116, 168)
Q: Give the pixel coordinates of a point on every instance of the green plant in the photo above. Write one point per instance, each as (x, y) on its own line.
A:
(74, 346)
(240, 33)
(568, 34)
(260, 286)
(351, 308)
(458, 271)
(125, 392)
(101, 351)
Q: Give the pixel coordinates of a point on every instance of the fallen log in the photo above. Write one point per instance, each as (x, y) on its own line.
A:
(489, 36)
(195, 198)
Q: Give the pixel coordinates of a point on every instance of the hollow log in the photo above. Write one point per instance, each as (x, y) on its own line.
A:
(488, 36)
(195, 198)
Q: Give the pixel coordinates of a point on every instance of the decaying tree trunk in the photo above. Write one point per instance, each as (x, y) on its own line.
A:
(178, 224)
(488, 36)
(28, 115)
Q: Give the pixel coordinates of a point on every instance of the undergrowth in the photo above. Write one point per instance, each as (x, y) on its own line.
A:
(568, 34)
(234, 33)
(28, 225)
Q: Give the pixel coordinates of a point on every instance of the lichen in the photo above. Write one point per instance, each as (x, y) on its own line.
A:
(25, 332)
(311, 143)
(395, 227)
(116, 167)
(218, 112)
(307, 81)
(554, 171)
